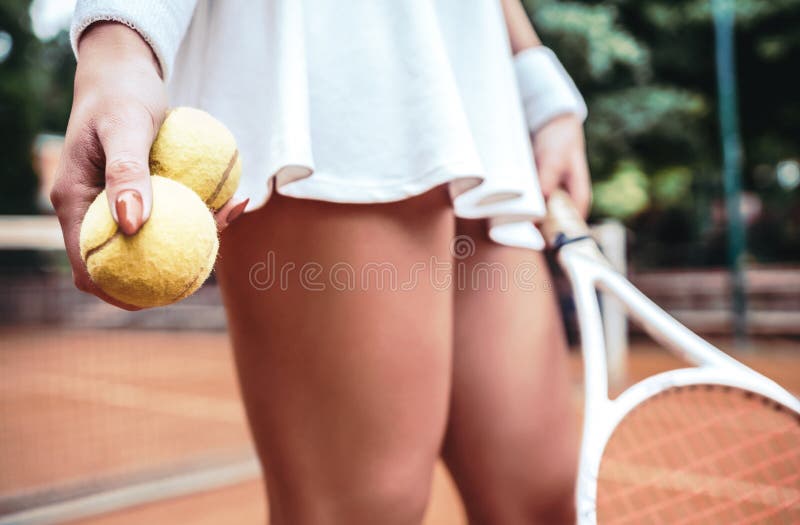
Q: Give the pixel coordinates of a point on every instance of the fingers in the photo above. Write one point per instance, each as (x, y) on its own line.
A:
(70, 199)
(571, 174)
(550, 174)
(579, 185)
(560, 157)
(85, 284)
(231, 211)
(126, 143)
(118, 102)
(120, 147)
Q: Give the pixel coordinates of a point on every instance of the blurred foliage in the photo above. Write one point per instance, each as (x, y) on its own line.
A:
(624, 194)
(35, 96)
(648, 74)
(671, 186)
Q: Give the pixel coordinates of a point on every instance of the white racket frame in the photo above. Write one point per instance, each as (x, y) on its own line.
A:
(588, 271)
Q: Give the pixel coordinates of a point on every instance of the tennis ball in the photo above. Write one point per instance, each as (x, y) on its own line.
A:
(197, 150)
(165, 261)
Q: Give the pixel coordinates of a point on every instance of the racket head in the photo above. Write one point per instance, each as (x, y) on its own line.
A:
(696, 446)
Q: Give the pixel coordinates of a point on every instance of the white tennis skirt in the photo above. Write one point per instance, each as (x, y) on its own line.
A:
(368, 102)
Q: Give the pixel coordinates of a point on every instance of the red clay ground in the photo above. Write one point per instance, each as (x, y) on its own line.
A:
(101, 405)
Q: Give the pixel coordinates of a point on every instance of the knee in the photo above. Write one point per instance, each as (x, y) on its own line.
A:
(396, 495)
(530, 485)
(552, 506)
(550, 497)
(389, 494)
(545, 502)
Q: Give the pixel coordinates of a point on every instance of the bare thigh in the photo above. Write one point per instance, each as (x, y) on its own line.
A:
(345, 378)
(511, 438)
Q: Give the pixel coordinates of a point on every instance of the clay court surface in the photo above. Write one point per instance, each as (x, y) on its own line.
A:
(91, 408)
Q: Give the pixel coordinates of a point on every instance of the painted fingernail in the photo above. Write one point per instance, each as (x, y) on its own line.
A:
(129, 211)
(236, 211)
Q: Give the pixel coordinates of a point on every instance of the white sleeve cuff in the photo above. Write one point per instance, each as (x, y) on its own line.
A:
(546, 89)
(161, 23)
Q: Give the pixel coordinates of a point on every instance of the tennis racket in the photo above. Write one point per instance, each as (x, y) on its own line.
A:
(713, 443)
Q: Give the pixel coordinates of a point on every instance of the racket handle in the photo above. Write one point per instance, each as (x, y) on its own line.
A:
(563, 220)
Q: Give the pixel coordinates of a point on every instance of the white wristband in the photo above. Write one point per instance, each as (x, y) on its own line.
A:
(546, 89)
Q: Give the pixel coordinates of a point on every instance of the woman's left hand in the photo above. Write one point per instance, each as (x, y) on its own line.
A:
(560, 153)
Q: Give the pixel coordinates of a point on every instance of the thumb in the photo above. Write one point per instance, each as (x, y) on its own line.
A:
(549, 177)
(126, 144)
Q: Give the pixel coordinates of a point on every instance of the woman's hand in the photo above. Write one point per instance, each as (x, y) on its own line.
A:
(119, 103)
(560, 153)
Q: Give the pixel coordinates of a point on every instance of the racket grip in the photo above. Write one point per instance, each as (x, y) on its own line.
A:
(563, 220)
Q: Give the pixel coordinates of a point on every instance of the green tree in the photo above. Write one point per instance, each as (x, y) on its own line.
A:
(35, 95)
(647, 72)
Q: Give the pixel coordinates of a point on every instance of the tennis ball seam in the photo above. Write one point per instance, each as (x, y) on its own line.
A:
(185, 292)
(225, 175)
(92, 251)
(190, 287)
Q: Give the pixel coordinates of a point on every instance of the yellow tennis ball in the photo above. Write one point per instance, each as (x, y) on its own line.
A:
(165, 261)
(197, 150)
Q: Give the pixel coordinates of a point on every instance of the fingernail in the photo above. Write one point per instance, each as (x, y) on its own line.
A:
(129, 211)
(236, 211)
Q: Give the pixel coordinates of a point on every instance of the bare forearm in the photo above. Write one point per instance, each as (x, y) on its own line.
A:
(558, 143)
(520, 31)
(112, 42)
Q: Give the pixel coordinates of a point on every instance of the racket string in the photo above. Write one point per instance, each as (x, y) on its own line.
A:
(699, 489)
(656, 444)
(770, 510)
(679, 440)
(702, 455)
(755, 518)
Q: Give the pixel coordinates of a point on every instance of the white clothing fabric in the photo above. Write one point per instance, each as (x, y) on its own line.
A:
(356, 102)
(546, 88)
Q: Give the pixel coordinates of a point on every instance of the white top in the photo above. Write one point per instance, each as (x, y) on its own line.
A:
(356, 102)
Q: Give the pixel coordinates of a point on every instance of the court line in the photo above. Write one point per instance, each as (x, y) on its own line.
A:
(139, 494)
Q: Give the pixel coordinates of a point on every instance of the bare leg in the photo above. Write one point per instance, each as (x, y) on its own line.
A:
(346, 390)
(511, 438)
